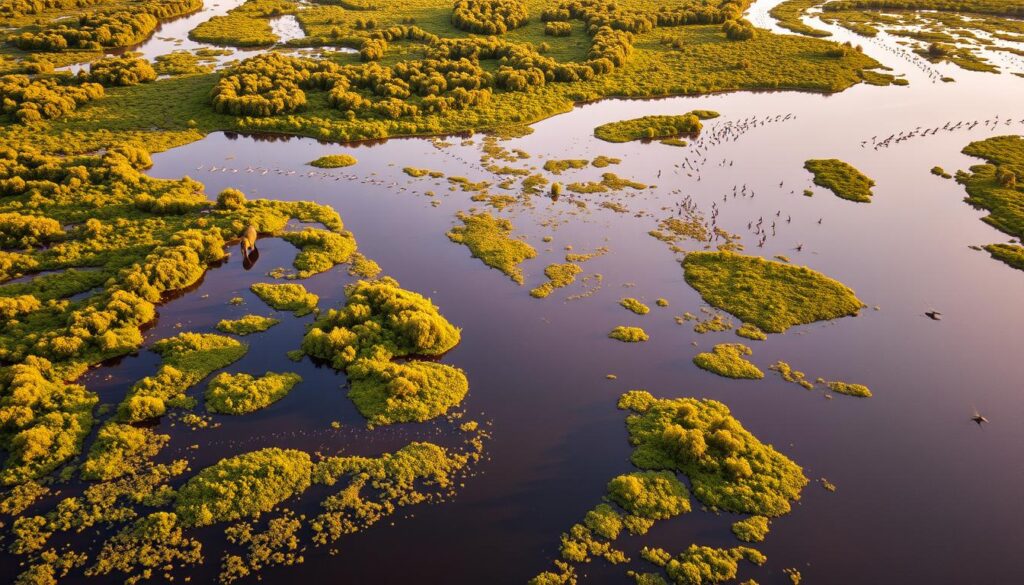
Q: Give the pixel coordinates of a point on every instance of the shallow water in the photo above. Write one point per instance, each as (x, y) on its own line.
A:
(924, 495)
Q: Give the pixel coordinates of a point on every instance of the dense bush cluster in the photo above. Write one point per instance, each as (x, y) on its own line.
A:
(450, 76)
(187, 359)
(34, 99)
(728, 467)
(243, 486)
(104, 29)
(557, 29)
(738, 30)
(43, 420)
(379, 322)
(489, 17)
(243, 393)
(15, 8)
(121, 71)
(270, 84)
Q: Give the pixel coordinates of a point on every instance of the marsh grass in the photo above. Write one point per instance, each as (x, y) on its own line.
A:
(773, 296)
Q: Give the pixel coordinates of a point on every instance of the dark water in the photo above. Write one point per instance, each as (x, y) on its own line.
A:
(924, 495)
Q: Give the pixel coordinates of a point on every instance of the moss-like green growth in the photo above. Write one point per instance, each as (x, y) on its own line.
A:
(243, 486)
(180, 63)
(841, 178)
(647, 496)
(1010, 254)
(727, 359)
(287, 297)
(279, 544)
(753, 529)
(848, 389)
(787, 373)
(247, 25)
(334, 161)
(489, 239)
(727, 466)
(998, 187)
(151, 546)
(242, 393)
(653, 127)
(187, 359)
(773, 296)
(387, 392)
(699, 565)
(375, 488)
(559, 276)
(631, 304)
(246, 325)
(559, 166)
(629, 334)
(751, 331)
(941, 172)
(120, 449)
(320, 250)
(379, 320)
(44, 419)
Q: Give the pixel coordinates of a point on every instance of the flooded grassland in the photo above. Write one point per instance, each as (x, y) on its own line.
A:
(415, 359)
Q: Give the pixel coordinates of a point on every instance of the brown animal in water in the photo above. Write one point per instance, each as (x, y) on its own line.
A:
(249, 239)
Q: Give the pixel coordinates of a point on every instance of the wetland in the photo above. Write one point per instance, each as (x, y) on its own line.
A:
(511, 287)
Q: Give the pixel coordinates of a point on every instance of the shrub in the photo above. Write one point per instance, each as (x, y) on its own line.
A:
(121, 71)
(242, 393)
(558, 29)
(489, 17)
(738, 30)
(243, 486)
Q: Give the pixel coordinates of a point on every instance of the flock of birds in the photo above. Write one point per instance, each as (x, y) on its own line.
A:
(951, 126)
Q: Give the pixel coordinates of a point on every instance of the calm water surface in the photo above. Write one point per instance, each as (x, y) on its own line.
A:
(924, 495)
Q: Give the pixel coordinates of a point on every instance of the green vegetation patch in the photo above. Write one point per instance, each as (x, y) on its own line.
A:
(489, 239)
(647, 496)
(631, 304)
(187, 359)
(751, 331)
(728, 467)
(653, 127)
(44, 419)
(561, 165)
(753, 529)
(389, 392)
(320, 250)
(152, 545)
(998, 187)
(848, 389)
(629, 334)
(120, 449)
(334, 161)
(773, 296)
(243, 393)
(286, 297)
(246, 325)
(703, 564)
(380, 320)
(1010, 254)
(841, 178)
(243, 486)
(559, 276)
(727, 359)
(245, 26)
